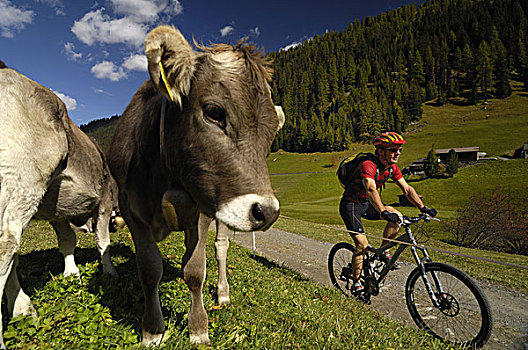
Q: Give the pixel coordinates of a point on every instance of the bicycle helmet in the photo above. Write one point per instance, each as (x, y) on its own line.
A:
(388, 138)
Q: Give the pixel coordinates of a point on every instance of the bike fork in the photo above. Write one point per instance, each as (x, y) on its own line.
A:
(425, 278)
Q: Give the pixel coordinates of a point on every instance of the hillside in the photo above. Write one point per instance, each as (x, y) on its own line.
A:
(343, 87)
(385, 72)
(101, 130)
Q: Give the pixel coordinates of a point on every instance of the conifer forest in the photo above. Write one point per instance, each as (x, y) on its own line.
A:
(375, 75)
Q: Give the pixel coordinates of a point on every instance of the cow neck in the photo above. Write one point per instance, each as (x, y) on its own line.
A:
(162, 130)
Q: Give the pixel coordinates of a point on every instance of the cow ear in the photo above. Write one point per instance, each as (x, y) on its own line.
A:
(280, 115)
(170, 62)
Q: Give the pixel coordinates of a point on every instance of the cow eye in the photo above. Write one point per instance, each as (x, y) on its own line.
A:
(215, 115)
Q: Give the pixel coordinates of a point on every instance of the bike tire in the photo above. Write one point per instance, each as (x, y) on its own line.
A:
(464, 319)
(340, 268)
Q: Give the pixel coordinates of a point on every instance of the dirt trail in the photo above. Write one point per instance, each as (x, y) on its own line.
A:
(309, 257)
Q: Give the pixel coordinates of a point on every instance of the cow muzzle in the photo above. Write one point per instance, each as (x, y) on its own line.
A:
(249, 212)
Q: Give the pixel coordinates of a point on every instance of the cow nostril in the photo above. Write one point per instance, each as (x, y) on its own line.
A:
(263, 216)
(258, 212)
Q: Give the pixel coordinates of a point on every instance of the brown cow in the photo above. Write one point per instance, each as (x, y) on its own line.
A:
(204, 152)
(49, 169)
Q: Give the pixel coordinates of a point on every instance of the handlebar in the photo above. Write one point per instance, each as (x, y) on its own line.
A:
(406, 221)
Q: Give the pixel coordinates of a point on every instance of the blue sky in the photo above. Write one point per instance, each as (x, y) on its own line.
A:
(90, 53)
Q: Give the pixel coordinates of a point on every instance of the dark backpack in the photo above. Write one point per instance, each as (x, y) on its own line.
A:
(349, 168)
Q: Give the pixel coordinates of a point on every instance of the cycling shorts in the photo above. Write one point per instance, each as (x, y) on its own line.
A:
(351, 213)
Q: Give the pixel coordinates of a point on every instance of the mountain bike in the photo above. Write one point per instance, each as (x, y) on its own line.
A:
(441, 299)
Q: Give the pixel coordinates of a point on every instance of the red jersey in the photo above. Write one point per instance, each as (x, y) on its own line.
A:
(357, 192)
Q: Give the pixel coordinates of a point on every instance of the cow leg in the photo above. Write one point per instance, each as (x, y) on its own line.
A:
(102, 239)
(150, 270)
(193, 264)
(221, 247)
(18, 303)
(67, 242)
(18, 204)
(6, 267)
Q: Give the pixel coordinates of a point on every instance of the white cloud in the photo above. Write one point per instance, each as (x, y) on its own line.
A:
(108, 70)
(57, 5)
(136, 62)
(135, 19)
(146, 11)
(175, 7)
(125, 22)
(13, 18)
(101, 91)
(226, 30)
(97, 27)
(70, 102)
(255, 31)
(69, 50)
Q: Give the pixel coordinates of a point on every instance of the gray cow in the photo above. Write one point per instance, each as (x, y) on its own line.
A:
(49, 169)
(193, 140)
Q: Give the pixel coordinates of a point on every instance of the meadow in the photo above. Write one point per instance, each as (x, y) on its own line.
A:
(273, 307)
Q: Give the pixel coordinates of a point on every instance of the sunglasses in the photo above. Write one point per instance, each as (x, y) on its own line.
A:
(394, 150)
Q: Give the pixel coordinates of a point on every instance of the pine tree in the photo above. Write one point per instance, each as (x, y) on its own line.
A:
(470, 71)
(457, 71)
(501, 68)
(522, 66)
(429, 68)
(398, 117)
(323, 88)
(484, 69)
(414, 101)
(418, 68)
(431, 166)
(443, 74)
(451, 164)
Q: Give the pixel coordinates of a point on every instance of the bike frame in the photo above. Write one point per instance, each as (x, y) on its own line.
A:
(407, 237)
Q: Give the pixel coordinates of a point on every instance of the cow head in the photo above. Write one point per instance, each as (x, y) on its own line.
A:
(220, 126)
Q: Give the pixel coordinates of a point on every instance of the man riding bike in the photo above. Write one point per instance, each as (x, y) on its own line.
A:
(362, 199)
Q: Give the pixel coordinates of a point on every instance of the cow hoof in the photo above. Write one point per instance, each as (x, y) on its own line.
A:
(150, 339)
(23, 306)
(223, 300)
(72, 271)
(199, 339)
(110, 270)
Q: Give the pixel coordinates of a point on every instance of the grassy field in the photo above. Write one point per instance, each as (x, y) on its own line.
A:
(271, 307)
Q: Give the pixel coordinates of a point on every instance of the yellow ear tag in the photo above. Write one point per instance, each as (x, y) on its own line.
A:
(164, 78)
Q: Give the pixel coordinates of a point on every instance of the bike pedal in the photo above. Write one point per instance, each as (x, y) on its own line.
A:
(396, 266)
(364, 299)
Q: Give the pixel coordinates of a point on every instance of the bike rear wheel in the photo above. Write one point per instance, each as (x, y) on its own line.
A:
(340, 267)
(464, 316)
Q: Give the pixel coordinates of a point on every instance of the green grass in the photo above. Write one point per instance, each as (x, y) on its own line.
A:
(316, 195)
(498, 130)
(271, 306)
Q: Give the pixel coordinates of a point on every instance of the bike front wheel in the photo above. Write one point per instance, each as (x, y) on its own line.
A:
(463, 315)
(340, 267)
